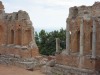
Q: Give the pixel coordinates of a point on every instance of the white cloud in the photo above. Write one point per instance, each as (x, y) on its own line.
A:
(45, 14)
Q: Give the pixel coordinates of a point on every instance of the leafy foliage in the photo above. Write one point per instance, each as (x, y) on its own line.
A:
(47, 43)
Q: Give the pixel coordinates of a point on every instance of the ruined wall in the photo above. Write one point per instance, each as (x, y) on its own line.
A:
(80, 61)
(87, 13)
(17, 34)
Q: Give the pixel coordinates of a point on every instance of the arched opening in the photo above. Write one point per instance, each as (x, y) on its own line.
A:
(78, 40)
(12, 36)
(19, 37)
(27, 37)
(91, 41)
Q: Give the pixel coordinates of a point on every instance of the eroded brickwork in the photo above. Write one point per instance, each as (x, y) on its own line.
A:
(83, 24)
(17, 34)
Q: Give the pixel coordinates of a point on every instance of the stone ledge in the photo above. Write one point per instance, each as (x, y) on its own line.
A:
(64, 70)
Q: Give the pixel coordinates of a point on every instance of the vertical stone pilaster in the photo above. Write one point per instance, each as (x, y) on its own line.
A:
(57, 45)
(81, 37)
(32, 32)
(15, 33)
(94, 39)
(67, 38)
(23, 36)
(14, 37)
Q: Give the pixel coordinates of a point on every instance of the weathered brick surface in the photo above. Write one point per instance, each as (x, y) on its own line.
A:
(17, 34)
(74, 63)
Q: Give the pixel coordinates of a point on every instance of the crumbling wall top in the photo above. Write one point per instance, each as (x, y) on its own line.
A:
(20, 15)
(1, 5)
(85, 11)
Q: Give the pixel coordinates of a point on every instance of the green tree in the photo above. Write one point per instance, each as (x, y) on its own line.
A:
(43, 39)
(62, 36)
(47, 43)
(37, 38)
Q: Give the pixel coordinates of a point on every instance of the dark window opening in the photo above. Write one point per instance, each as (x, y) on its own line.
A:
(78, 40)
(12, 36)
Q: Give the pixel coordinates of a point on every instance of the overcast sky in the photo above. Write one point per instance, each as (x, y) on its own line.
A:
(45, 14)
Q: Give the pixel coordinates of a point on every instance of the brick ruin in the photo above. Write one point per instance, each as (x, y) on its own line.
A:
(17, 34)
(82, 54)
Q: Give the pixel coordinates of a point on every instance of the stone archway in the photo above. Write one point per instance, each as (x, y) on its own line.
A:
(19, 37)
(27, 37)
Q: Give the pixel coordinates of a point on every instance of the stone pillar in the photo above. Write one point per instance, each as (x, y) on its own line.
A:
(67, 38)
(94, 39)
(57, 45)
(23, 31)
(81, 37)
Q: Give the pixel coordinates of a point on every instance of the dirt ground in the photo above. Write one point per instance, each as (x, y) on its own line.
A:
(12, 70)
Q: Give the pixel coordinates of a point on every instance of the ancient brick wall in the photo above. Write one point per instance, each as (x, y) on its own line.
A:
(83, 24)
(87, 13)
(17, 34)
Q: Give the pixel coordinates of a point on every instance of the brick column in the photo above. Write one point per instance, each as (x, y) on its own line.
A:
(81, 37)
(23, 31)
(67, 38)
(57, 45)
(94, 39)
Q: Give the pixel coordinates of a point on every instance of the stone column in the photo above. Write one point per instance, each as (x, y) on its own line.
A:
(81, 37)
(67, 38)
(94, 39)
(57, 45)
(23, 31)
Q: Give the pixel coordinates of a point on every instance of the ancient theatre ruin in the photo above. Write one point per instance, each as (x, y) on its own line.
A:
(82, 54)
(16, 34)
